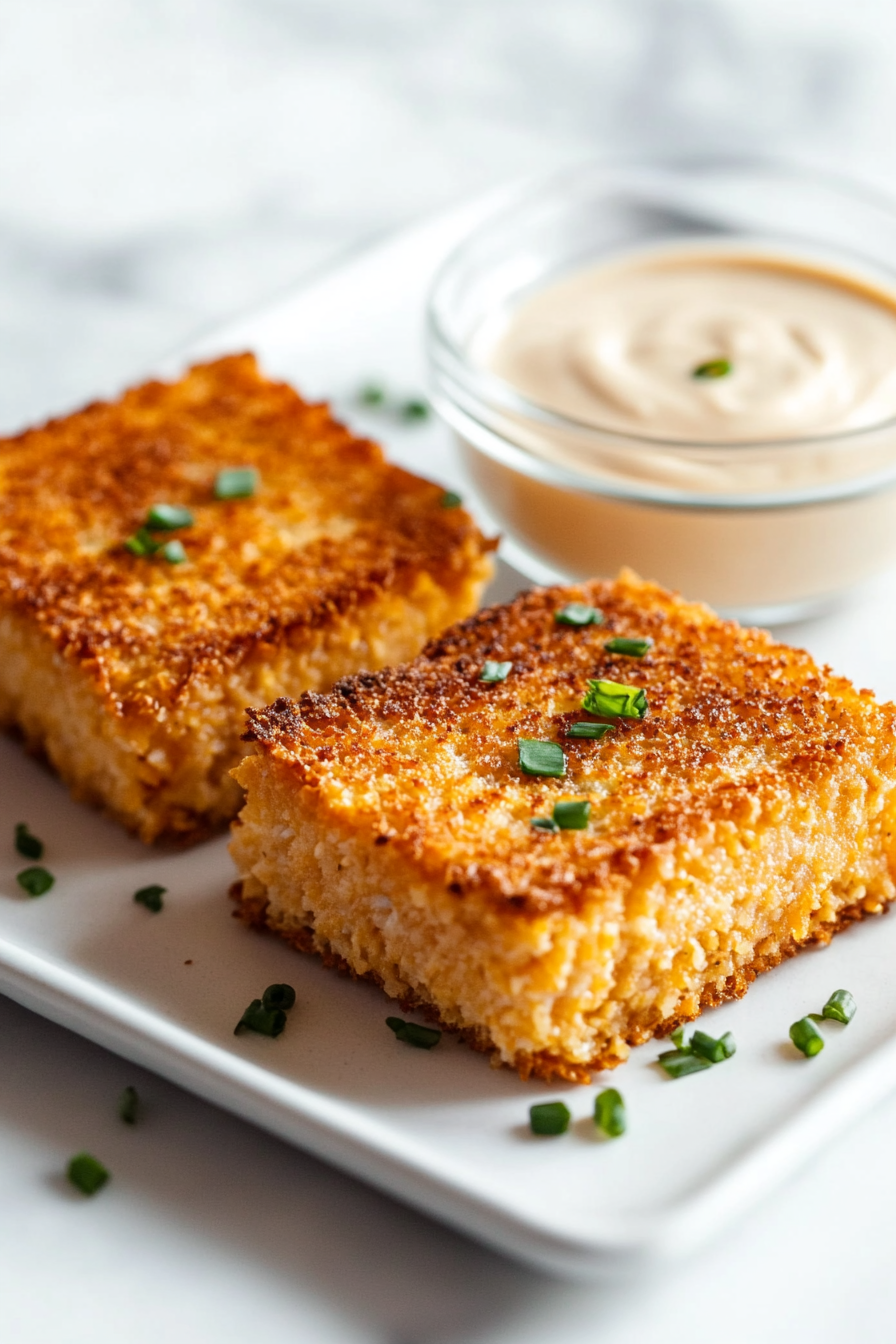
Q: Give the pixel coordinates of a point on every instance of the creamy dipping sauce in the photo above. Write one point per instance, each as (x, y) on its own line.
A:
(767, 490)
(804, 351)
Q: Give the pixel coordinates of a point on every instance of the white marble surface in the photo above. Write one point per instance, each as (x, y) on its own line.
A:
(163, 164)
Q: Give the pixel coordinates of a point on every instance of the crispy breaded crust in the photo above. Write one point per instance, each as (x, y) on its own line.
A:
(335, 545)
(751, 811)
(724, 700)
(333, 526)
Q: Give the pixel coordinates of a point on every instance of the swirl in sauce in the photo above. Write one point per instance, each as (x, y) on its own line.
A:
(812, 351)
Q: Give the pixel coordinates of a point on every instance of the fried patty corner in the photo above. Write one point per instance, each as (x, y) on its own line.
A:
(750, 812)
(132, 674)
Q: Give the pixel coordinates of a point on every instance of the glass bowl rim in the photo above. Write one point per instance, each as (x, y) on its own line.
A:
(489, 388)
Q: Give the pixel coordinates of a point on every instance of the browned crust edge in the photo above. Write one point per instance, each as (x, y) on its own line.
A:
(253, 912)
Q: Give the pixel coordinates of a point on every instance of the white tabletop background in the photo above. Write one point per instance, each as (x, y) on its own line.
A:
(163, 165)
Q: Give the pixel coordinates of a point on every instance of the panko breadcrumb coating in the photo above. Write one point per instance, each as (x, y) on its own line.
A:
(133, 674)
(752, 811)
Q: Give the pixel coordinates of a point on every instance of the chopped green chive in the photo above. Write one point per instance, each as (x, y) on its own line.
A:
(142, 544)
(609, 1112)
(411, 408)
(702, 1049)
(727, 1042)
(679, 1063)
(840, 1007)
(592, 730)
(572, 816)
(87, 1174)
(412, 1034)
(615, 701)
(36, 881)
(415, 408)
(266, 1021)
(545, 824)
(632, 648)
(495, 671)
(541, 758)
(707, 1047)
(806, 1037)
(151, 897)
(174, 552)
(128, 1104)
(236, 483)
(27, 844)
(549, 1117)
(713, 368)
(578, 613)
(168, 517)
(161, 518)
(279, 996)
(451, 500)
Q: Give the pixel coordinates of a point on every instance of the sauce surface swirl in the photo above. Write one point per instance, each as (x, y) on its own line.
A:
(811, 350)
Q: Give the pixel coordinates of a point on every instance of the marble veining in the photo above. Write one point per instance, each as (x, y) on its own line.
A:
(168, 163)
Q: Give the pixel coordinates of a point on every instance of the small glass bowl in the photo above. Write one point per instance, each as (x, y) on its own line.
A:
(768, 531)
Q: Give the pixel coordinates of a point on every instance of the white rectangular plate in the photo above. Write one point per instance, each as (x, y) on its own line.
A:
(440, 1129)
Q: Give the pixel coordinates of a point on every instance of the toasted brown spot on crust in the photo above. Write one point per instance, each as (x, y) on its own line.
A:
(338, 561)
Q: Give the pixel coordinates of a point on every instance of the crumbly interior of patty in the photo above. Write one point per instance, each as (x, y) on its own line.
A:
(170, 773)
(388, 824)
(562, 993)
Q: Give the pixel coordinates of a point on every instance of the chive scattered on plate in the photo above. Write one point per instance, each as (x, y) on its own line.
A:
(545, 824)
(708, 1047)
(451, 500)
(267, 1015)
(549, 1117)
(609, 1112)
(412, 409)
(151, 897)
(493, 672)
(615, 701)
(27, 844)
(712, 368)
(679, 1063)
(279, 996)
(840, 1007)
(572, 816)
(36, 881)
(590, 730)
(87, 1174)
(632, 648)
(424, 1038)
(541, 758)
(174, 552)
(578, 613)
(236, 483)
(265, 1021)
(702, 1049)
(168, 517)
(806, 1037)
(415, 408)
(128, 1105)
